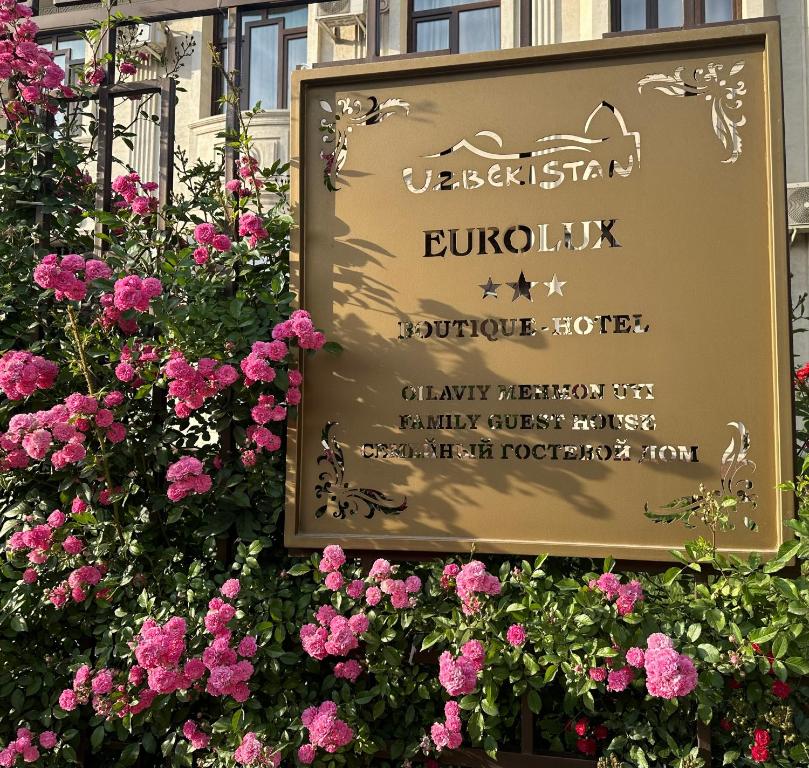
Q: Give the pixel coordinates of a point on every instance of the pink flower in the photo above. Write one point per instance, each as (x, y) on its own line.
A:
(348, 670)
(313, 640)
(22, 373)
(669, 674)
(457, 676)
(412, 584)
(201, 255)
(231, 588)
(221, 243)
(334, 581)
(619, 679)
(599, 674)
(635, 657)
(373, 595)
(359, 623)
(47, 739)
(204, 233)
(333, 558)
(326, 730)
(56, 519)
(29, 576)
(73, 545)
(516, 635)
(102, 682)
(247, 647)
(186, 477)
(306, 754)
(474, 579)
(355, 589)
(67, 700)
(608, 584)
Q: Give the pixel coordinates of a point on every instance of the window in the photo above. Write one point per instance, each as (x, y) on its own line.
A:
(273, 46)
(454, 26)
(68, 53)
(628, 15)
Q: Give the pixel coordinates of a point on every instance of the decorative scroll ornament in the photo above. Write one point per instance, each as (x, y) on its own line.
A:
(713, 507)
(718, 89)
(343, 498)
(351, 112)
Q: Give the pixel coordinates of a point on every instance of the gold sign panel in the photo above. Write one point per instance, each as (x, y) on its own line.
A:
(559, 276)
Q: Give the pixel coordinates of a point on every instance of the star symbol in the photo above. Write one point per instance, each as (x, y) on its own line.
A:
(555, 285)
(490, 288)
(522, 287)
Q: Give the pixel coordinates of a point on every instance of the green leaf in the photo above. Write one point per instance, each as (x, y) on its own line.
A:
(97, 737)
(431, 640)
(299, 569)
(130, 754)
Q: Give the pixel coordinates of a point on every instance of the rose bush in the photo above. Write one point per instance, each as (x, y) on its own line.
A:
(149, 614)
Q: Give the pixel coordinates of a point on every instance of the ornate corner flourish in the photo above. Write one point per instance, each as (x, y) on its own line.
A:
(717, 88)
(735, 489)
(351, 112)
(347, 498)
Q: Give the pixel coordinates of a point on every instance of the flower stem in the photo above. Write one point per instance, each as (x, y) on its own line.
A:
(85, 369)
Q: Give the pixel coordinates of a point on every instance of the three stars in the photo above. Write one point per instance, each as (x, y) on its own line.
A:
(522, 287)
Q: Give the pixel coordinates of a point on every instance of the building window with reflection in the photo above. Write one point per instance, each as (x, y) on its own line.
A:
(628, 15)
(68, 53)
(273, 46)
(454, 26)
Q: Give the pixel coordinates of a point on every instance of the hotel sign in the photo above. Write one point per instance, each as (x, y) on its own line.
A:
(559, 276)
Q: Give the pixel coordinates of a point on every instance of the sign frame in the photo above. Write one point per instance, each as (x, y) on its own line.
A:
(764, 33)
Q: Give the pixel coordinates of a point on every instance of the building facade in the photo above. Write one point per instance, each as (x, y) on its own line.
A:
(278, 39)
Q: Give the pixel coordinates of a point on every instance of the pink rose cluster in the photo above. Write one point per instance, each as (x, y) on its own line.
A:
(136, 361)
(195, 735)
(611, 587)
(134, 292)
(472, 580)
(669, 674)
(249, 171)
(326, 731)
(259, 436)
(448, 575)
(131, 296)
(29, 66)
(22, 373)
(70, 275)
(25, 746)
(191, 385)
(75, 587)
(160, 650)
(252, 227)
(300, 327)
(90, 686)
(448, 733)
(209, 239)
(257, 366)
(333, 635)
(459, 675)
(135, 195)
(33, 435)
(252, 751)
(186, 477)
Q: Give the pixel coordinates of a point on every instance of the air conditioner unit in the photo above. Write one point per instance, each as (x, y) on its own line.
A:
(340, 13)
(151, 36)
(798, 206)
